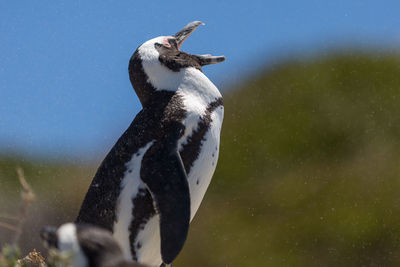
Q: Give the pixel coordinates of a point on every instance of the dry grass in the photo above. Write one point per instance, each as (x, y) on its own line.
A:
(10, 253)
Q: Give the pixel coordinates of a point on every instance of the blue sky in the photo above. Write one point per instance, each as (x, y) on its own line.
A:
(64, 86)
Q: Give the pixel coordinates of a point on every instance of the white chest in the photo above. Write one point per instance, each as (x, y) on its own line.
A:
(131, 183)
(202, 170)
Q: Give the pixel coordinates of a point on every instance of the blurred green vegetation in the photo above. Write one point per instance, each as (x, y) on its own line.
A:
(308, 174)
(309, 170)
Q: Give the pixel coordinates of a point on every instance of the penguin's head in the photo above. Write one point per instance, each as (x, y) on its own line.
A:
(65, 240)
(86, 245)
(158, 62)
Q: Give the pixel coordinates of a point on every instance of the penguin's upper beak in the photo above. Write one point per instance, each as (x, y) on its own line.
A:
(183, 34)
(49, 236)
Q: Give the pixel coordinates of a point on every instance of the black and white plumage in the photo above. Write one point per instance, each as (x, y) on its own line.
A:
(150, 185)
(86, 246)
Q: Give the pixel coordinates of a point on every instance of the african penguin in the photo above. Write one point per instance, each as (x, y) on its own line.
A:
(87, 246)
(151, 183)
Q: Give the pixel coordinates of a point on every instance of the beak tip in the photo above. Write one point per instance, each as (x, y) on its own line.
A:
(221, 59)
(187, 30)
(196, 23)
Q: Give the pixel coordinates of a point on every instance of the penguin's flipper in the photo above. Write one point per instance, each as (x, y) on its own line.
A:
(163, 173)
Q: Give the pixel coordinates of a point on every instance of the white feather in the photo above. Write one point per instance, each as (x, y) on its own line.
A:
(130, 186)
(68, 243)
(204, 166)
(149, 238)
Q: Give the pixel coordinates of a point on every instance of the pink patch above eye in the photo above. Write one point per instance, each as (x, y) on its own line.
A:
(166, 43)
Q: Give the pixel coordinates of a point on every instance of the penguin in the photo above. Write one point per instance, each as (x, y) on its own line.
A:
(150, 185)
(86, 246)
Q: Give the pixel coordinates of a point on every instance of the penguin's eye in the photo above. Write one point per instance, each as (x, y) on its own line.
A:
(167, 43)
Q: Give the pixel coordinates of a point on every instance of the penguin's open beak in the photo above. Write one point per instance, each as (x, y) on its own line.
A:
(183, 34)
(49, 236)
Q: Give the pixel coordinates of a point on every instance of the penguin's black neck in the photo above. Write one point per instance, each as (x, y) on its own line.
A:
(139, 79)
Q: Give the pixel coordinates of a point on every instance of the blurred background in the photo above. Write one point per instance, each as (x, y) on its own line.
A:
(309, 171)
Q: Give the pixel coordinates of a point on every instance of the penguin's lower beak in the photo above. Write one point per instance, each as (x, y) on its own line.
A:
(183, 34)
(49, 236)
(209, 59)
